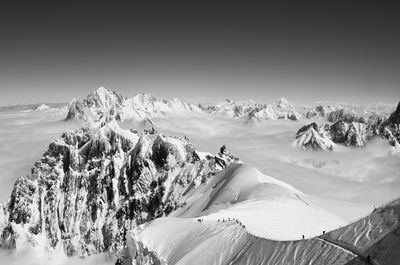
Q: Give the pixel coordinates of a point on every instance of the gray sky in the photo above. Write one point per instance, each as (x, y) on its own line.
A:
(52, 52)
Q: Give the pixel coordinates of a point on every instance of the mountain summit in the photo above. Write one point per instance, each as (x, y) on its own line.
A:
(101, 105)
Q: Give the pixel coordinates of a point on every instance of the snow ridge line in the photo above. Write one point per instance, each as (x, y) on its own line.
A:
(336, 245)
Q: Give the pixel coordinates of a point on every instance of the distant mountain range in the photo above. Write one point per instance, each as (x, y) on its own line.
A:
(353, 125)
(104, 105)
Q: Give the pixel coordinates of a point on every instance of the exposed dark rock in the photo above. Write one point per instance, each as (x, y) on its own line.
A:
(390, 129)
(307, 127)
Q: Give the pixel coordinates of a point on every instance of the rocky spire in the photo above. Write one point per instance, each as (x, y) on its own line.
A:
(90, 187)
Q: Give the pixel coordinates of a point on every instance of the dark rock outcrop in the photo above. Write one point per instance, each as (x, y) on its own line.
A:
(390, 129)
(349, 134)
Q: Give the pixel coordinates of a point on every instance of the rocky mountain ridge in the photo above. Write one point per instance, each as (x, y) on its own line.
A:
(279, 109)
(91, 187)
(103, 105)
(336, 111)
(350, 133)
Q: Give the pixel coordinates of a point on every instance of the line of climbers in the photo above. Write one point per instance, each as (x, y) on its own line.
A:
(237, 221)
(223, 220)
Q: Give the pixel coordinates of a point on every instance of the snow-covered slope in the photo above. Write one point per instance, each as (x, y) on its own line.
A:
(267, 207)
(187, 241)
(370, 240)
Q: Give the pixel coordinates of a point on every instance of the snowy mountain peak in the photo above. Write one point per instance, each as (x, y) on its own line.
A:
(104, 105)
(104, 98)
(100, 106)
(102, 92)
(282, 103)
(310, 137)
(144, 100)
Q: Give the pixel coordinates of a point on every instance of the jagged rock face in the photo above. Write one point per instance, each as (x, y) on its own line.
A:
(325, 137)
(352, 133)
(75, 110)
(310, 137)
(343, 115)
(338, 131)
(89, 188)
(390, 129)
(224, 158)
(374, 124)
(356, 135)
(394, 118)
